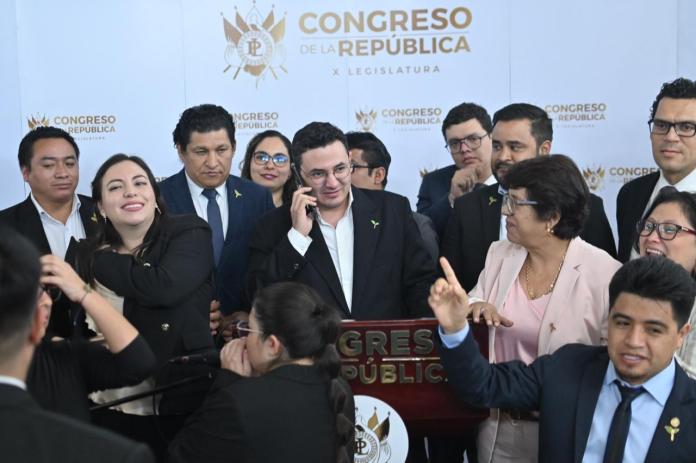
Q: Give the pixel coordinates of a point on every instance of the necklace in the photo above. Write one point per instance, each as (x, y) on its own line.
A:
(530, 291)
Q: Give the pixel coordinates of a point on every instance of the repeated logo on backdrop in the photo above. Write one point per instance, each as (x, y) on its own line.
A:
(81, 126)
(596, 175)
(577, 115)
(398, 119)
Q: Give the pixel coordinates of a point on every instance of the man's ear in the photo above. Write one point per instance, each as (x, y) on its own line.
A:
(681, 334)
(181, 152)
(38, 325)
(379, 173)
(25, 173)
(545, 147)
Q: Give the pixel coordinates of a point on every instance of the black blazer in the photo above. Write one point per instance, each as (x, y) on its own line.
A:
(392, 271)
(564, 387)
(246, 202)
(475, 223)
(29, 434)
(631, 202)
(433, 195)
(283, 415)
(166, 293)
(24, 218)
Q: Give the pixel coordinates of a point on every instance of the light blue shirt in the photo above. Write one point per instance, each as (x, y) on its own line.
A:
(646, 410)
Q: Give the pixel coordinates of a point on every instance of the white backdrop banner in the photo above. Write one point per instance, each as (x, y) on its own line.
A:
(117, 75)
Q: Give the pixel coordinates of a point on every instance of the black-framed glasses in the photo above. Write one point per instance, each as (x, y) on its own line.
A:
(681, 128)
(472, 142)
(318, 176)
(666, 231)
(279, 159)
(511, 203)
(355, 165)
(54, 292)
(241, 329)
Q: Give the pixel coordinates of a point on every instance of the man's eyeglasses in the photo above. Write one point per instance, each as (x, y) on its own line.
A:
(241, 329)
(511, 203)
(665, 230)
(355, 165)
(683, 128)
(279, 159)
(54, 292)
(341, 172)
(472, 142)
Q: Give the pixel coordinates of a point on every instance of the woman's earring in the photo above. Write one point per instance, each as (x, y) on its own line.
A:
(158, 209)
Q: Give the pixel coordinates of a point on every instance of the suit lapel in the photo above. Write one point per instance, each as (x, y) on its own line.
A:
(491, 205)
(30, 223)
(680, 404)
(366, 231)
(319, 257)
(183, 203)
(88, 216)
(235, 210)
(590, 386)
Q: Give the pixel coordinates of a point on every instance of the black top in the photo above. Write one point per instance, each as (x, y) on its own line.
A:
(62, 373)
(283, 415)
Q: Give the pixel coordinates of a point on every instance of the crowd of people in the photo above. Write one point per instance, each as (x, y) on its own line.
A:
(105, 300)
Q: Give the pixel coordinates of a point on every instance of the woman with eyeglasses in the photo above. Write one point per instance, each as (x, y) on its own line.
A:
(267, 163)
(544, 284)
(64, 371)
(279, 396)
(669, 229)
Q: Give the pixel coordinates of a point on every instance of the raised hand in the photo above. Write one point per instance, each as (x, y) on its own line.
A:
(234, 357)
(449, 301)
(300, 200)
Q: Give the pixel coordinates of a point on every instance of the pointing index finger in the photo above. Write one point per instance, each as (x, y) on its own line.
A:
(449, 273)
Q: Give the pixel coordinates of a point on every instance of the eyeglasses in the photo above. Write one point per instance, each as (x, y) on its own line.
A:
(511, 203)
(279, 159)
(666, 231)
(317, 176)
(472, 142)
(682, 128)
(355, 165)
(54, 292)
(241, 329)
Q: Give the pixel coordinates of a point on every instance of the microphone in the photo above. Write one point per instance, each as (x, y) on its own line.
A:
(210, 358)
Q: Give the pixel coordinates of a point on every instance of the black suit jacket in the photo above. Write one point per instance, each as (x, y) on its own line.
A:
(433, 195)
(24, 218)
(29, 434)
(392, 271)
(283, 415)
(564, 387)
(631, 202)
(475, 223)
(246, 203)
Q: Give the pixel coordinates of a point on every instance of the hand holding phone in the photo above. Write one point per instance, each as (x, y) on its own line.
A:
(303, 207)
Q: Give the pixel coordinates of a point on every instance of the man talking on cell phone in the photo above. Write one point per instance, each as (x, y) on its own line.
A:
(363, 253)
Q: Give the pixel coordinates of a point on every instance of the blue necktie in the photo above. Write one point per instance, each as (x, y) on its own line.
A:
(215, 222)
(620, 424)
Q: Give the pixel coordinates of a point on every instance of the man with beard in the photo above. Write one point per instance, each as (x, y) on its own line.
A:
(520, 131)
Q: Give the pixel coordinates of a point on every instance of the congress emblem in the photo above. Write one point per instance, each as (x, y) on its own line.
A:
(594, 177)
(380, 433)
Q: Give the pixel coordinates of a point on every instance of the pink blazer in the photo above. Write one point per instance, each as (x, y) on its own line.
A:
(579, 305)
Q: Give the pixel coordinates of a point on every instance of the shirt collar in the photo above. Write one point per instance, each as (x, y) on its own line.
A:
(197, 190)
(75, 205)
(659, 386)
(688, 183)
(490, 180)
(12, 381)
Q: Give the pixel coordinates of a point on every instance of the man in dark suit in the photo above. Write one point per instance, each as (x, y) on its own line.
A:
(629, 401)
(466, 130)
(360, 249)
(28, 433)
(205, 140)
(520, 131)
(52, 215)
(674, 152)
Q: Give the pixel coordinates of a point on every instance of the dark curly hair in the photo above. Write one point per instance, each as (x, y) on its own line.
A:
(680, 88)
(315, 135)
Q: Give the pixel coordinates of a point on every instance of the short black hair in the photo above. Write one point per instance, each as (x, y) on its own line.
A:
(203, 118)
(375, 153)
(26, 146)
(464, 112)
(557, 184)
(658, 278)
(19, 285)
(315, 135)
(668, 194)
(680, 88)
(542, 126)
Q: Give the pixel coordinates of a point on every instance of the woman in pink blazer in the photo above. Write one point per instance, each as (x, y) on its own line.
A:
(549, 283)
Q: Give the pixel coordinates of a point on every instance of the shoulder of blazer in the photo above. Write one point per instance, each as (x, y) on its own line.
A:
(245, 186)
(640, 183)
(176, 181)
(179, 223)
(443, 173)
(24, 207)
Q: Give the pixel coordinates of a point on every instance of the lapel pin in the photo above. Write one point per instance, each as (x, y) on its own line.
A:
(552, 327)
(374, 223)
(94, 217)
(672, 428)
(237, 194)
(492, 199)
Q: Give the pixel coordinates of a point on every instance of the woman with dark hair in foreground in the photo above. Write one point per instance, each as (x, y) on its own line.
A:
(278, 396)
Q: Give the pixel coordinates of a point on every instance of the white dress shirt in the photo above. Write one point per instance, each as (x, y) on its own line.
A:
(339, 240)
(12, 381)
(200, 202)
(58, 233)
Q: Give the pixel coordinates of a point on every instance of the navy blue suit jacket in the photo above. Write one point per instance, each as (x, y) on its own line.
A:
(564, 387)
(246, 202)
(433, 196)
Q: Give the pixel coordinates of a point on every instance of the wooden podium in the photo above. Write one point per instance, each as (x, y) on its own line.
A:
(397, 361)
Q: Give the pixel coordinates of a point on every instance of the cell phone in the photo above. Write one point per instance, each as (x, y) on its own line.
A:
(299, 183)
